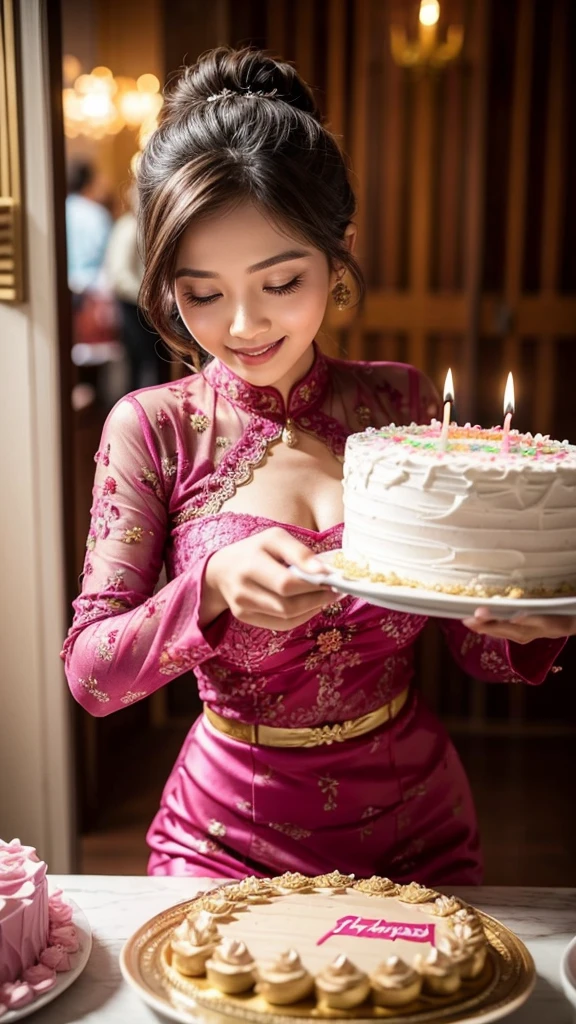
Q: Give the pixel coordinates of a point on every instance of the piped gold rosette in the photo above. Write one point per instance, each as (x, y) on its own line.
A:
(394, 983)
(376, 886)
(193, 942)
(341, 985)
(292, 882)
(333, 882)
(415, 893)
(285, 980)
(231, 968)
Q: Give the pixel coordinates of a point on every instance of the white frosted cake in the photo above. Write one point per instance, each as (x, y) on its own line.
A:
(36, 931)
(473, 519)
(327, 946)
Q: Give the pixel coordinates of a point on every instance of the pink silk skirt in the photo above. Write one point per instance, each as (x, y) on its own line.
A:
(394, 802)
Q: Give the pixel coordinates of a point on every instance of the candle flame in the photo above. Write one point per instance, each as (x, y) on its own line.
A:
(449, 388)
(509, 405)
(429, 12)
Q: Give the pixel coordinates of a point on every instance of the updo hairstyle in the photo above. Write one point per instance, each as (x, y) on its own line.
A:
(238, 126)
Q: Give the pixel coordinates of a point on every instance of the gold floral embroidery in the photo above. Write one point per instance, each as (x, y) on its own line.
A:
(148, 476)
(363, 415)
(245, 806)
(116, 580)
(307, 392)
(330, 642)
(199, 422)
(223, 442)
(169, 465)
(130, 696)
(471, 640)
(365, 832)
(216, 828)
(420, 789)
(290, 830)
(492, 661)
(133, 535)
(105, 647)
(329, 787)
(91, 684)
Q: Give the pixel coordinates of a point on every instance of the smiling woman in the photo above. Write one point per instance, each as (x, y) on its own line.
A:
(313, 744)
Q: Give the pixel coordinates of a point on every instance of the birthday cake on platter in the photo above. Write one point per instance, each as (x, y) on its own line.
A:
(483, 516)
(329, 946)
(36, 931)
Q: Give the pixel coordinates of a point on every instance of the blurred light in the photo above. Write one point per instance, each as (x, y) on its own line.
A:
(429, 12)
(98, 104)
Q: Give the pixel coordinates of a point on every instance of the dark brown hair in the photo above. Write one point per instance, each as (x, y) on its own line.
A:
(237, 126)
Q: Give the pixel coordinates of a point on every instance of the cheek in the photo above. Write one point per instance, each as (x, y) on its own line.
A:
(307, 307)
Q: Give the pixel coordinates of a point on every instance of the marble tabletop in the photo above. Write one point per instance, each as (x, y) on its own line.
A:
(545, 919)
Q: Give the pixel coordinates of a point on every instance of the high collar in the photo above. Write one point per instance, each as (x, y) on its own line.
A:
(305, 395)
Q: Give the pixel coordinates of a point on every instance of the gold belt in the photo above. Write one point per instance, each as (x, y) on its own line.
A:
(272, 736)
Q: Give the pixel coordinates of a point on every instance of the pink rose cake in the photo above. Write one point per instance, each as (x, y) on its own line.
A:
(36, 931)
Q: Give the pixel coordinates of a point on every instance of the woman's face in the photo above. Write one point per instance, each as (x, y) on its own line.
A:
(251, 295)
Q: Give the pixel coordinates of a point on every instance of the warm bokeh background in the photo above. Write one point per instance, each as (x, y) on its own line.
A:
(467, 224)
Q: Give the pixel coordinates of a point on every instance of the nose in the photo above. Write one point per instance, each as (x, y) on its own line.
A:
(248, 323)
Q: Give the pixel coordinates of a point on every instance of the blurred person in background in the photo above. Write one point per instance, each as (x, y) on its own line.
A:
(95, 327)
(88, 226)
(124, 270)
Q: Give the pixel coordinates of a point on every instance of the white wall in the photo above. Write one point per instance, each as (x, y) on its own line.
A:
(35, 739)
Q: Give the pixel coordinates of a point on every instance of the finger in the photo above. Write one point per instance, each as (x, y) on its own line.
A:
(282, 545)
(257, 600)
(272, 574)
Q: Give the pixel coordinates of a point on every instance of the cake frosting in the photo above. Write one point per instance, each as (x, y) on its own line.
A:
(37, 936)
(483, 517)
(331, 944)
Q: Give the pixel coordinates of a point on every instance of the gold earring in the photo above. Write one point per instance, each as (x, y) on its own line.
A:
(341, 295)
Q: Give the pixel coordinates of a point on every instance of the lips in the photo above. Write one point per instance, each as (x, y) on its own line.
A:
(257, 351)
(258, 354)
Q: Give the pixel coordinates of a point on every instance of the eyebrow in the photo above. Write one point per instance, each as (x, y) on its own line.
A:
(282, 257)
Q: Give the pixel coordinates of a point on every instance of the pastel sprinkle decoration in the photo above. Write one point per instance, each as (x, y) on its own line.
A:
(426, 439)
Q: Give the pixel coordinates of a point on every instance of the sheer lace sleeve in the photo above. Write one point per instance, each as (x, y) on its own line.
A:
(491, 659)
(125, 640)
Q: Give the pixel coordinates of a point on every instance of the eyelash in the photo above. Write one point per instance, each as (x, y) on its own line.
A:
(207, 300)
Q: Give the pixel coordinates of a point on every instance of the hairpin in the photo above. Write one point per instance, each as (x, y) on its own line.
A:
(247, 94)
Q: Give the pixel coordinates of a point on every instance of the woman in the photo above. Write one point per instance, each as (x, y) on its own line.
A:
(234, 473)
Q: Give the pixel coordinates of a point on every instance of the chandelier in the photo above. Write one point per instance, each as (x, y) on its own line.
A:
(100, 104)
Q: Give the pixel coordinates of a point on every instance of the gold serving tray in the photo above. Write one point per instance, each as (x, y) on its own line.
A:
(505, 984)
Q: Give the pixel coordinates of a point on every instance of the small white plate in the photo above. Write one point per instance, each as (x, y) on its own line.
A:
(568, 972)
(66, 978)
(431, 602)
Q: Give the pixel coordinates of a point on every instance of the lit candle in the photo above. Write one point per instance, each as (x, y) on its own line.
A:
(508, 413)
(428, 16)
(448, 399)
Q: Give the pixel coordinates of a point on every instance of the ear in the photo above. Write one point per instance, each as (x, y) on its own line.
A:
(350, 236)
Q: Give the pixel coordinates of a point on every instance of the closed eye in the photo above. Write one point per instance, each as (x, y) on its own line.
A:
(285, 289)
(206, 300)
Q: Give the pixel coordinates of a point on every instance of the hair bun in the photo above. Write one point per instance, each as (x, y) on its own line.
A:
(238, 72)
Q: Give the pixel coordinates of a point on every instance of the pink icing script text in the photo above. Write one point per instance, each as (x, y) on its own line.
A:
(369, 928)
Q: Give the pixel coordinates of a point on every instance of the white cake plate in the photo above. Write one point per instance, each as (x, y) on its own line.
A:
(66, 978)
(568, 972)
(431, 602)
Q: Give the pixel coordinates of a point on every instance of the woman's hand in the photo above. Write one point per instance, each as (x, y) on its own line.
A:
(525, 628)
(253, 580)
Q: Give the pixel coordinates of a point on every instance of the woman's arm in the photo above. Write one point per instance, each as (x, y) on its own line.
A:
(498, 658)
(125, 641)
